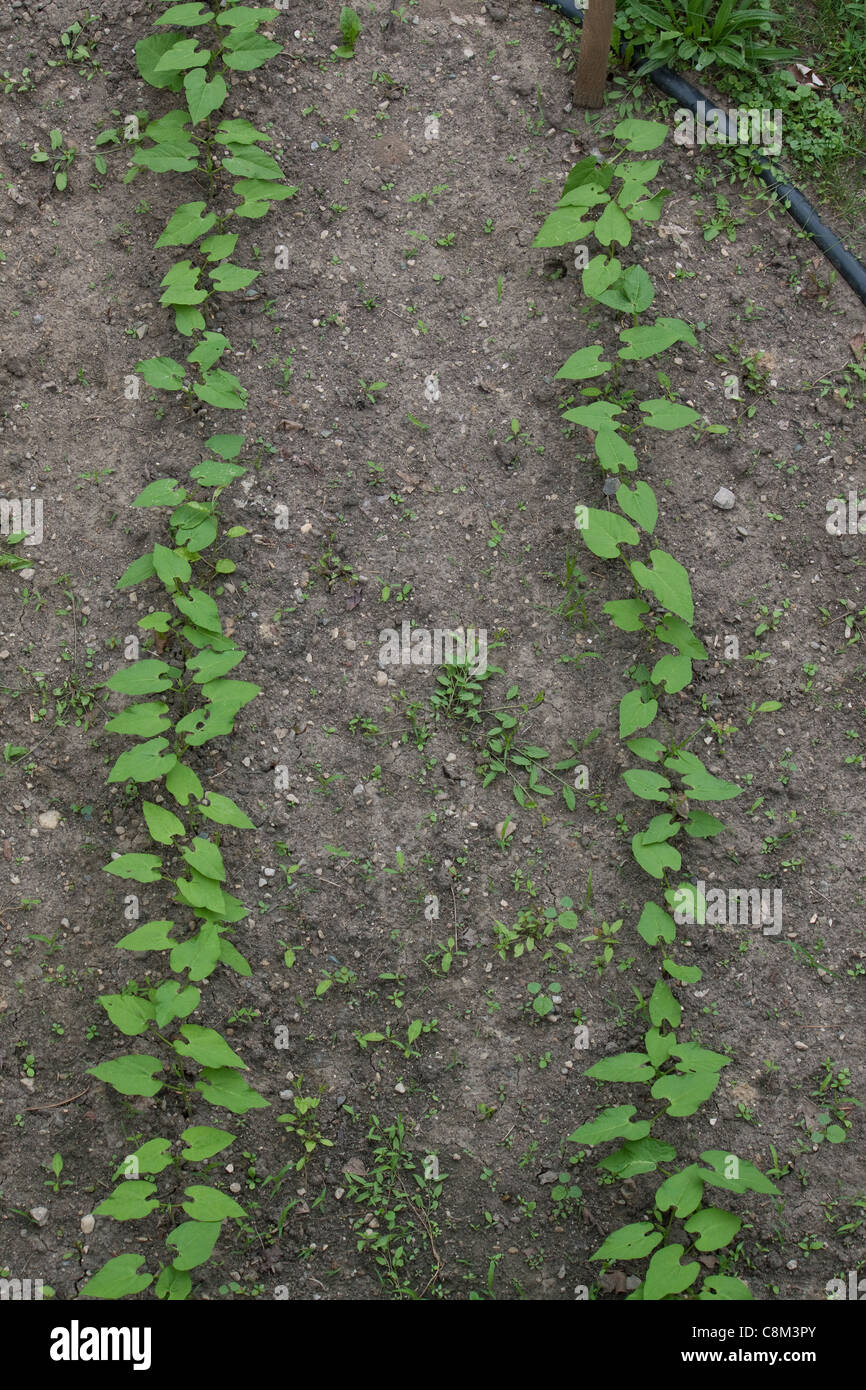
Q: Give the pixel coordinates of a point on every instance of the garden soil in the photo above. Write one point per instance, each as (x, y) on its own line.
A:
(444, 497)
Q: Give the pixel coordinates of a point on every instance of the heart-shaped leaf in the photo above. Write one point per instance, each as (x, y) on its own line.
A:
(686, 1093)
(613, 226)
(163, 824)
(682, 1191)
(651, 339)
(613, 452)
(715, 1228)
(599, 274)
(562, 226)
(203, 97)
(209, 1204)
(632, 1242)
(656, 857)
(141, 868)
(655, 925)
(641, 135)
(173, 1000)
(668, 580)
(222, 1086)
(626, 613)
(149, 1158)
(193, 1241)
(665, 1275)
(606, 532)
(649, 786)
(613, 1123)
(582, 365)
(635, 713)
(129, 1202)
(128, 1012)
(725, 1286)
(663, 1007)
(630, 1160)
(625, 1066)
(639, 503)
(203, 1141)
(663, 414)
(118, 1278)
(132, 1075)
(207, 1047)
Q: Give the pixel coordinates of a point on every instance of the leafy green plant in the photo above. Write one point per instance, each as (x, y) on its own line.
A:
(825, 133)
(459, 691)
(59, 156)
(414, 1031)
(350, 28)
(680, 1076)
(825, 1128)
(698, 33)
(135, 1197)
(77, 48)
(428, 197)
(526, 765)
(542, 1001)
(341, 976)
(442, 957)
(22, 82)
(370, 390)
(604, 936)
(182, 689)
(533, 927)
(403, 1197)
(566, 1195)
(722, 219)
(12, 562)
(302, 1122)
(56, 1182)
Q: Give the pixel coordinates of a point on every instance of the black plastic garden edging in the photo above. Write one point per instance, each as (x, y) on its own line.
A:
(848, 266)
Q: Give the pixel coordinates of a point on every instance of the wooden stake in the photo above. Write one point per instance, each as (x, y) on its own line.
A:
(595, 42)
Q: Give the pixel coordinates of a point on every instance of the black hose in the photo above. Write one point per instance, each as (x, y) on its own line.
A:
(851, 270)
